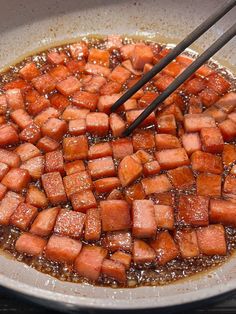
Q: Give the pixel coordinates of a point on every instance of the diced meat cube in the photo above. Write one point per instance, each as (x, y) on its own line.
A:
(120, 74)
(172, 158)
(99, 150)
(193, 210)
(181, 177)
(156, 184)
(9, 158)
(30, 244)
(23, 216)
(41, 103)
(164, 216)
(8, 205)
(47, 144)
(59, 102)
(134, 192)
(106, 101)
(68, 86)
(3, 104)
(117, 124)
(228, 129)
(195, 122)
(151, 168)
(110, 88)
(132, 115)
(35, 166)
(195, 85)
(127, 64)
(230, 185)
(73, 113)
(75, 147)
(75, 66)
(208, 184)
(83, 200)
(115, 195)
(229, 154)
(62, 249)
(89, 262)
(97, 123)
(99, 56)
(211, 240)
(43, 116)
(86, 100)
(69, 223)
(93, 225)
(106, 185)
(77, 182)
(54, 128)
(172, 109)
(166, 124)
(15, 99)
(147, 99)
(115, 215)
(223, 211)
(187, 242)
(212, 140)
(101, 167)
(123, 258)
(27, 151)
(127, 51)
(218, 83)
(208, 97)
(79, 50)
(191, 142)
(228, 102)
(59, 73)
(144, 221)
(16, 179)
(8, 135)
(232, 116)
(165, 141)
(218, 114)
(129, 170)
(56, 57)
(3, 191)
(206, 162)
(3, 169)
(19, 84)
(174, 68)
(74, 166)
(118, 240)
(114, 42)
(30, 134)
(114, 269)
(142, 252)
(44, 223)
(54, 188)
(44, 83)
(54, 161)
(122, 148)
(195, 105)
(21, 118)
(36, 197)
(163, 82)
(165, 248)
(29, 71)
(130, 104)
(97, 69)
(141, 55)
(164, 198)
(143, 139)
(95, 84)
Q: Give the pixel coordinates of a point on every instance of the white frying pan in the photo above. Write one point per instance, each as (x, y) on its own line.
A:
(27, 25)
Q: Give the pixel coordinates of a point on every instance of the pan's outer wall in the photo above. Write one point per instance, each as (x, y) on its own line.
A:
(27, 25)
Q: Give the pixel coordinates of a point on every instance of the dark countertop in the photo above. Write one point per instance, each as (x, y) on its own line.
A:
(12, 304)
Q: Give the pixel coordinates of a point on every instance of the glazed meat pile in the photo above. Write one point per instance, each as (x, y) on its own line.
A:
(82, 195)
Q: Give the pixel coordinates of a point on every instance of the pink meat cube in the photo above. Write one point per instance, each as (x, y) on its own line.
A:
(206, 162)
(123, 258)
(89, 262)
(68, 86)
(30, 134)
(120, 74)
(3, 191)
(208, 184)
(16, 179)
(101, 167)
(117, 124)
(172, 158)
(164, 216)
(8, 205)
(77, 127)
(35, 166)
(79, 50)
(86, 100)
(115, 215)
(8, 135)
(3, 169)
(122, 147)
(83, 200)
(191, 142)
(118, 240)
(228, 129)
(9, 158)
(106, 101)
(27, 151)
(144, 221)
(195, 122)
(100, 150)
(95, 84)
(54, 162)
(187, 242)
(30, 244)
(44, 83)
(142, 252)
(47, 144)
(156, 184)
(114, 269)
(151, 168)
(132, 115)
(77, 182)
(54, 128)
(44, 223)
(62, 249)
(97, 69)
(167, 124)
(97, 123)
(181, 177)
(166, 141)
(23, 216)
(15, 99)
(106, 185)
(29, 71)
(143, 139)
(36, 197)
(54, 188)
(75, 147)
(21, 118)
(74, 166)
(93, 225)
(142, 54)
(129, 170)
(43, 116)
(212, 140)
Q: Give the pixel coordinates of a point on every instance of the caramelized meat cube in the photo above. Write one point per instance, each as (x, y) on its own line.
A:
(118, 240)
(97, 123)
(54, 188)
(114, 269)
(122, 147)
(23, 216)
(44, 223)
(181, 177)
(206, 162)
(166, 124)
(187, 242)
(83, 200)
(27, 151)
(212, 140)
(123, 258)
(101, 167)
(8, 135)
(35, 166)
(129, 170)
(54, 128)
(30, 244)
(75, 147)
(172, 158)
(77, 182)
(143, 139)
(208, 184)
(142, 252)
(191, 142)
(74, 166)
(165, 141)
(195, 122)
(156, 184)
(8, 205)
(36, 197)
(9, 158)
(16, 179)
(99, 150)
(106, 184)
(164, 216)
(93, 226)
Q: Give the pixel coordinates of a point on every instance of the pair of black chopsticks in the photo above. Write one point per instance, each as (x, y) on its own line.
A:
(206, 55)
